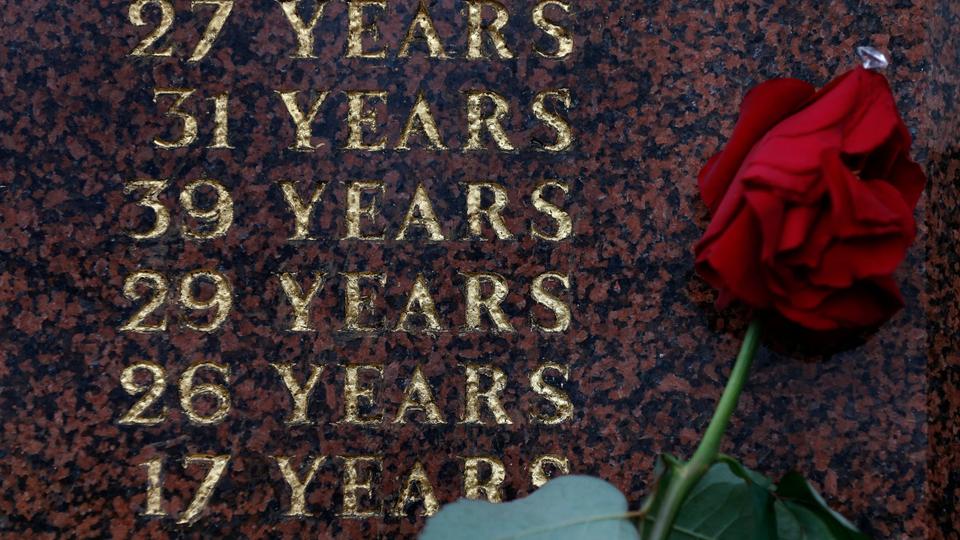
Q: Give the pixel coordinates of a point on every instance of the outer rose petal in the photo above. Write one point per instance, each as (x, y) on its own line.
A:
(761, 109)
(733, 261)
(867, 303)
(908, 178)
(856, 114)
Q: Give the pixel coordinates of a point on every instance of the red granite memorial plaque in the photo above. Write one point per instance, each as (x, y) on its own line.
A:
(314, 268)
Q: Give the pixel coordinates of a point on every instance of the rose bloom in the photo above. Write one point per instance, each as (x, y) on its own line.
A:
(812, 202)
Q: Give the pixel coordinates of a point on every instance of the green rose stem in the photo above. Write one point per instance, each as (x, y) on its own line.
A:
(687, 475)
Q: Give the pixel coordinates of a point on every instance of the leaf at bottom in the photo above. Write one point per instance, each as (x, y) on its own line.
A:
(567, 508)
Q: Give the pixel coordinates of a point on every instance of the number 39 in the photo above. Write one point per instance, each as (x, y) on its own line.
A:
(215, 220)
(224, 7)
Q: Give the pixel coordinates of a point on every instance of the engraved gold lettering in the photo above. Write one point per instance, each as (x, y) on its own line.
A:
(151, 393)
(490, 489)
(303, 121)
(357, 29)
(189, 392)
(354, 482)
(539, 472)
(218, 464)
(304, 31)
(301, 211)
(221, 119)
(300, 301)
(559, 33)
(564, 223)
(299, 394)
(359, 117)
(476, 29)
(353, 392)
(221, 301)
(213, 28)
(476, 211)
(563, 407)
(561, 311)
(154, 469)
(357, 210)
(424, 491)
(166, 21)
(490, 396)
(563, 129)
(421, 115)
(154, 281)
(219, 216)
(477, 304)
(359, 304)
(189, 133)
(150, 199)
(420, 214)
(477, 121)
(428, 34)
(298, 486)
(419, 397)
(420, 303)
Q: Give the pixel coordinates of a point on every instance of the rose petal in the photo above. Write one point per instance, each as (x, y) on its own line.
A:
(854, 115)
(769, 211)
(762, 108)
(867, 303)
(908, 178)
(797, 226)
(859, 208)
(732, 261)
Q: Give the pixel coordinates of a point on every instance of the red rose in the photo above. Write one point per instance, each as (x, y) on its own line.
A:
(812, 202)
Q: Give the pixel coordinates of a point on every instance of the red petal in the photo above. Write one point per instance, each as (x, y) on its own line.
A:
(762, 108)
(797, 226)
(732, 261)
(908, 178)
(868, 303)
(769, 210)
(855, 114)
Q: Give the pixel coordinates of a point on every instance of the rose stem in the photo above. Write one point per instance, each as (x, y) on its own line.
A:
(686, 476)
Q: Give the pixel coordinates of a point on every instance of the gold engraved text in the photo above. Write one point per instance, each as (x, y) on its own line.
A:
(299, 300)
(419, 397)
(494, 30)
(417, 479)
(303, 121)
(151, 393)
(191, 391)
(563, 407)
(303, 30)
(489, 489)
(490, 397)
(299, 394)
(559, 33)
(298, 485)
(354, 391)
(356, 481)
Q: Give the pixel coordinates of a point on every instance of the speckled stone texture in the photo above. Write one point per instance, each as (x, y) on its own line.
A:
(655, 86)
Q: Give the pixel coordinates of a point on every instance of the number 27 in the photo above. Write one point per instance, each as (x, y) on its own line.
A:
(224, 7)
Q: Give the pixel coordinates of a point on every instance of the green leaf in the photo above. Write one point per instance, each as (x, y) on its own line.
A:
(803, 514)
(567, 508)
(732, 502)
(729, 502)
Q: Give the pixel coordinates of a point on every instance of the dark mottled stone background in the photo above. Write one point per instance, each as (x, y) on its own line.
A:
(656, 87)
